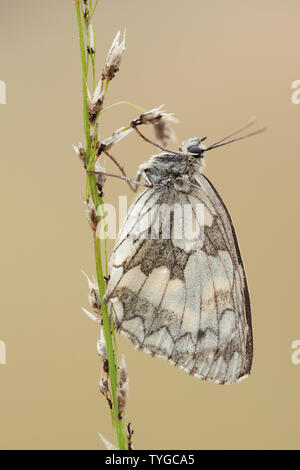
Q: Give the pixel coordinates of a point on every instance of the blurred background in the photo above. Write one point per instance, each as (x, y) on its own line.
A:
(214, 64)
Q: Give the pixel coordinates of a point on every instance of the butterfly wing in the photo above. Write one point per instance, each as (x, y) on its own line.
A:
(179, 300)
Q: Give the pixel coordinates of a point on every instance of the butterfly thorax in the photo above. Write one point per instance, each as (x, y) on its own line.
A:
(172, 171)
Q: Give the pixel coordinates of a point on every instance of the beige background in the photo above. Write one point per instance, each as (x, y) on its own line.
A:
(214, 64)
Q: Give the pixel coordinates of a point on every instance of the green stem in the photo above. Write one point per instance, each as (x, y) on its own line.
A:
(84, 67)
(118, 424)
(93, 11)
(122, 102)
(107, 328)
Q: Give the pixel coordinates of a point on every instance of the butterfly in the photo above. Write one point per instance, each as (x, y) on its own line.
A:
(180, 296)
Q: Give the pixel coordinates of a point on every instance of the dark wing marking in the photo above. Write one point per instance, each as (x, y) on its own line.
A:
(190, 306)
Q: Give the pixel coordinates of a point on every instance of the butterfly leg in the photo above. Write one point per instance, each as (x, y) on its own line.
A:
(134, 125)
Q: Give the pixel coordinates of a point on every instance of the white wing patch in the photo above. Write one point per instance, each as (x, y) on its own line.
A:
(177, 300)
(155, 285)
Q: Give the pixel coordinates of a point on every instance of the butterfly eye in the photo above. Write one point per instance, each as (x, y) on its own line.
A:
(197, 151)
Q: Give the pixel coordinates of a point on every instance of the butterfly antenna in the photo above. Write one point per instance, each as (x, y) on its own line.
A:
(258, 131)
(251, 121)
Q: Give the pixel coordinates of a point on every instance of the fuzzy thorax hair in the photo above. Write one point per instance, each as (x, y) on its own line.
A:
(173, 170)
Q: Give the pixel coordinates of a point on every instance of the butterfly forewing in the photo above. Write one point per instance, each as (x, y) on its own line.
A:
(183, 298)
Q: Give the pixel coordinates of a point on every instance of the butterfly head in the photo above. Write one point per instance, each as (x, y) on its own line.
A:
(193, 147)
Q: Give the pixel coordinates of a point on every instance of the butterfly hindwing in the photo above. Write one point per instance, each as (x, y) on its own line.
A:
(178, 299)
